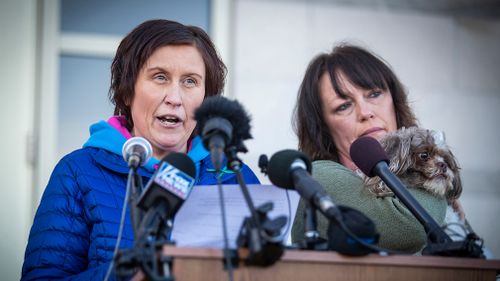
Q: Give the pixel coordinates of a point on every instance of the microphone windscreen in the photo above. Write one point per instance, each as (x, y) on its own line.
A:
(218, 106)
(366, 152)
(360, 225)
(182, 162)
(137, 143)
(279, 167)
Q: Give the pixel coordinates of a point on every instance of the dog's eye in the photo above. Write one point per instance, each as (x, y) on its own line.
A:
(424, 156)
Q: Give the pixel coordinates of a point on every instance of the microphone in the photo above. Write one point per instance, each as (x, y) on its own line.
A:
(165, 192)
(171, 183)
(136, 151)
(371, 159)
(223, 123)
(290, 169)
(350, 232)
(263, 163)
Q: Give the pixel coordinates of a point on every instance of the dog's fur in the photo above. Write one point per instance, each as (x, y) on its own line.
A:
(422, 159)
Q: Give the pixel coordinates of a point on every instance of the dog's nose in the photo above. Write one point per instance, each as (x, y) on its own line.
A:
(443, 166)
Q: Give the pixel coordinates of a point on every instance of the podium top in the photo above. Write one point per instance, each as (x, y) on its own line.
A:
(207, 264)
(334, 257)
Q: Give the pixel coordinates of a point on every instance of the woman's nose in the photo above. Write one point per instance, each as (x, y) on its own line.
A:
(173, 95)
(365, 111)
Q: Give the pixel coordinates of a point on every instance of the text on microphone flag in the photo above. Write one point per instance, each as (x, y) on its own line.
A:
(174, 180)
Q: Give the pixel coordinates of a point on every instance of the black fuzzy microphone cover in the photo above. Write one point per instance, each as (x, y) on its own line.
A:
(232, 111)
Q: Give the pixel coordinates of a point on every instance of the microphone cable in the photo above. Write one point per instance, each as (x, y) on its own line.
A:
(468, 237)
(226, 250)
(122, 223)
(263, 163)
(289, 224)
(284, 235)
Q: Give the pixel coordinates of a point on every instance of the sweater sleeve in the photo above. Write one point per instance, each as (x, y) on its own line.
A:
(59, 238)
(398, 228)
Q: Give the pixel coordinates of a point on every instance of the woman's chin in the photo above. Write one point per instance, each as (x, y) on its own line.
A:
(164, 146)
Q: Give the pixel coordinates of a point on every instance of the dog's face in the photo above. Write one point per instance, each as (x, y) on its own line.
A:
(421, 158)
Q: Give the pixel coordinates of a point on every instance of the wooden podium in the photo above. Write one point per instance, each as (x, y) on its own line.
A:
(190, 264)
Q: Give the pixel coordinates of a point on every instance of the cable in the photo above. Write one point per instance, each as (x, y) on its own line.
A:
(453, 233)
(289, 221)
(122, 222)
(465, 229)
(289, 225)
(227, 255)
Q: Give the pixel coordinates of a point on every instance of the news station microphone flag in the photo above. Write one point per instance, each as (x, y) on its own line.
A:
(164, 194)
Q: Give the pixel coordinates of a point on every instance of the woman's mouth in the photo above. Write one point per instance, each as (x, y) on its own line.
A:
(169, 120)
(372, 130)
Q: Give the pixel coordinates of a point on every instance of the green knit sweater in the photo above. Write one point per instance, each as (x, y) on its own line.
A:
(398, 228)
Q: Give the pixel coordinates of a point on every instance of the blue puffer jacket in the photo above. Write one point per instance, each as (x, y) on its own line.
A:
(76, 225)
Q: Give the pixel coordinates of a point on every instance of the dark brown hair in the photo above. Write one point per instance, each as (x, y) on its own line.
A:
(364, 70)
(136, 48)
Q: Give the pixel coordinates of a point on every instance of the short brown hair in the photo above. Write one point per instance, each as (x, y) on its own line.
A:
(364, 70)
(136, 48)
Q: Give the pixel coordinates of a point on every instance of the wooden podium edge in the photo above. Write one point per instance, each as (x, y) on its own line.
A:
(306, 256)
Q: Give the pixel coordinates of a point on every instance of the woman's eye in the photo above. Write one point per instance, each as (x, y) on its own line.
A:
(160, 77)
(190, 82)
(424, 156)
(375, 94)
(343, 107)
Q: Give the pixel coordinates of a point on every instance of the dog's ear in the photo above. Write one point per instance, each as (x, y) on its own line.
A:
(398, 148)
(457, 181)
(439, 139)
(451, 160)
(457, 189)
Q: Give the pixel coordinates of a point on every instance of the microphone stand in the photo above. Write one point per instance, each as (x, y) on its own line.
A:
(155, 229)
(151, 232)
(258, 232)
(134, 182)
(312, 240)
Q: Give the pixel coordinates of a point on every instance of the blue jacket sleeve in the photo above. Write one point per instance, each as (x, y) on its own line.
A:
(59, 238)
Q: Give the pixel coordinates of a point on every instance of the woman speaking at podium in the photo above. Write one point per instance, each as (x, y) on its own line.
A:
(161, 73)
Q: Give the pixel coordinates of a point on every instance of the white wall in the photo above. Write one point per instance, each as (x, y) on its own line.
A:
(450, 67)
(17, 70)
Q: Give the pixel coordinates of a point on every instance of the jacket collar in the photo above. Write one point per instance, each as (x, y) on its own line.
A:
(107, 137)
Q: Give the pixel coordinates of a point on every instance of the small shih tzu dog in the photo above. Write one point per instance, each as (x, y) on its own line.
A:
(420, 158)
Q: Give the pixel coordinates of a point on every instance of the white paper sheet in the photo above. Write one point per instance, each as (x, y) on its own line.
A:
(199, 224)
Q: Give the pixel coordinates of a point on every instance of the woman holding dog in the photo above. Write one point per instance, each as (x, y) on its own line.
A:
(344, 95)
